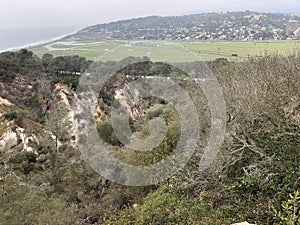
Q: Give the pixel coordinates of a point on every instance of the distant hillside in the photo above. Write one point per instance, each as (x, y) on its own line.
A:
(207, 26)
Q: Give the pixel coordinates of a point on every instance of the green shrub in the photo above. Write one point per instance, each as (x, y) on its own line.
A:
(166, 207)
(106, 133)
(22, 205)
(19, 158)
(255, 182)
(32, 101)
(290, 210)
(24, 161)
(155, 111)
(10, 116)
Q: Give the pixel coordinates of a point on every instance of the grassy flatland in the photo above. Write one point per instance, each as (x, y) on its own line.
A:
(242, 49)
(168, 50)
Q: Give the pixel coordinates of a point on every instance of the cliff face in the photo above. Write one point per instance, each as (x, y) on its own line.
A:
(24, 104)
(29, 98)
(15, 138)
(118, 92)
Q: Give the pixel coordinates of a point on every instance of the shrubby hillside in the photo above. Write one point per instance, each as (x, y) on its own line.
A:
(244, 25)
(255, 177)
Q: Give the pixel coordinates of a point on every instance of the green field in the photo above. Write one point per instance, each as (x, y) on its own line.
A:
(171, 51)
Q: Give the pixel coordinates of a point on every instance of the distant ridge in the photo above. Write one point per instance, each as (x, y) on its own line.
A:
(239, 26)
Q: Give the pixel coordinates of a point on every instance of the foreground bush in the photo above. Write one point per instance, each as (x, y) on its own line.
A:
(22, 205)
(290, 212)
(167, 207)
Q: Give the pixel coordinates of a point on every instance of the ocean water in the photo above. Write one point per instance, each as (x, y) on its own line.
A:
(11, 38)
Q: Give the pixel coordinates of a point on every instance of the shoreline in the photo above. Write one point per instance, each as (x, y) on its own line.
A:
(39, 43)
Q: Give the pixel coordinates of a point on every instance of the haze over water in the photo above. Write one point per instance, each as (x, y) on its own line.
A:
(17, 37)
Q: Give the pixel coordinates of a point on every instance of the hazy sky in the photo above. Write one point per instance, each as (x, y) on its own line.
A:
(37, 13)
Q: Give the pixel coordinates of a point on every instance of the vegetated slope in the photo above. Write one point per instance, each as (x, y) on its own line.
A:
(256, 175)
(256, 170)
(207, 26)
(31, 88)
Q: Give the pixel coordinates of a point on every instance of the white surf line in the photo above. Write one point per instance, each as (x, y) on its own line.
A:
(39, 43)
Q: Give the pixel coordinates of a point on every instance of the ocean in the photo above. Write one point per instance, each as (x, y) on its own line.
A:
(11, 38)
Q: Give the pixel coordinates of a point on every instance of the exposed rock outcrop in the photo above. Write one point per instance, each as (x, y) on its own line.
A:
(5, 102)
(15, 138)
(21, 132)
